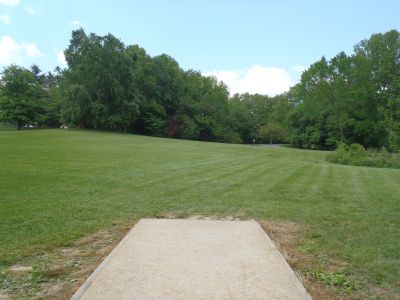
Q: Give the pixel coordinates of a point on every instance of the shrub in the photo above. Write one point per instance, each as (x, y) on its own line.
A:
(394, 141)
(356, 155)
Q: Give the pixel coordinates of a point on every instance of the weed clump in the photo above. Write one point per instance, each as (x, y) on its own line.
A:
(339, 280)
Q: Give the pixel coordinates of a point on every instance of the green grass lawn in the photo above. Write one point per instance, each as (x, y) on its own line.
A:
(58, 185)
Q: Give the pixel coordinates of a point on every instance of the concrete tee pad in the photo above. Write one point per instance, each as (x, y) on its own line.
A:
(194, 259)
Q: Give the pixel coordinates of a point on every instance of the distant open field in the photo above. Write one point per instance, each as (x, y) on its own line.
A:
(59, 185)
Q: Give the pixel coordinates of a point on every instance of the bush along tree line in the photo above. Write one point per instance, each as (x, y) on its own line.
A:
(357, 155)
(108, 85)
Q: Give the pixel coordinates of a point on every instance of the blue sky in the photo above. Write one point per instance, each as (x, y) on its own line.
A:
(256, 46)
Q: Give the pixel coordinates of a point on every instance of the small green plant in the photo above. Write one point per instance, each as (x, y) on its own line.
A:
(36, 276)
(339, 280)
(308, 246)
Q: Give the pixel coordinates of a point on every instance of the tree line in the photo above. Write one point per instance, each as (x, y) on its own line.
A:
(351, 99)
(112, 86)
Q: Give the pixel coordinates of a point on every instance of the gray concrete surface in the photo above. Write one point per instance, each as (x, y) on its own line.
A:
(193, 259)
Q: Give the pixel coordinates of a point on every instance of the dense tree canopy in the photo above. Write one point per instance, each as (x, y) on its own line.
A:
(351, 99)
(28, 97)
(108, 85)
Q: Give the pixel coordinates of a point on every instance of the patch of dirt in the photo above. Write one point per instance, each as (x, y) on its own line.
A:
(59, 273)
(51, 291)
(20, 269)
(223, 218)
(183, 215)
(387, 293)
(54, 271)
(172, 215)
(288, 237)
(4, 296)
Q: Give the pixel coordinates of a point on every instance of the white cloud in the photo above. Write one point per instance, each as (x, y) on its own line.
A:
(299, 69)
(33, 10)
(257, 79)
(10, 2)
(6, 19)
(13, 52)
(60, 57)
(9, 51)
(31, 50)
(76, 23)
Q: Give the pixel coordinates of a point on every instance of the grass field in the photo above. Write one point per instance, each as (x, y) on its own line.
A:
(59, 185)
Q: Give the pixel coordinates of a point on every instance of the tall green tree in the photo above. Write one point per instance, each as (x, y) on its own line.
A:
(99, 87)
(382, 55)
(272, 133)
(20, 96)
